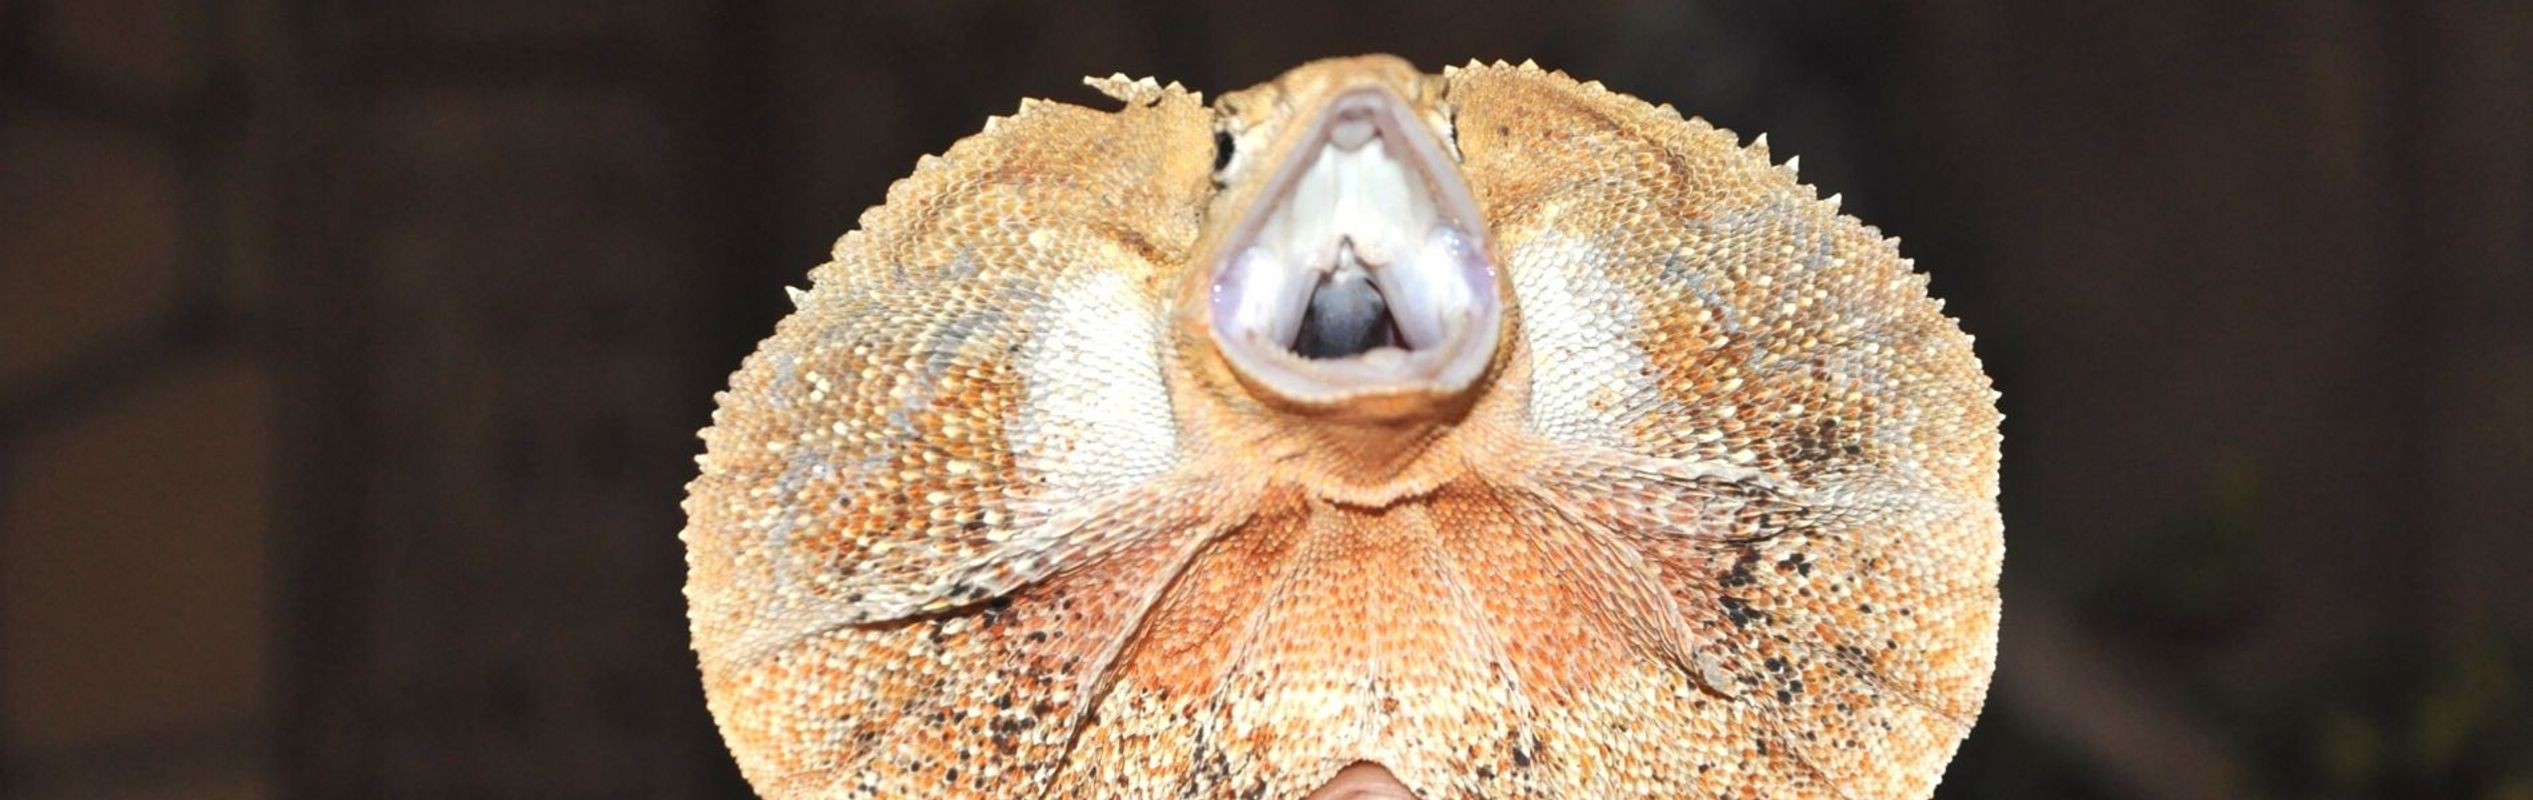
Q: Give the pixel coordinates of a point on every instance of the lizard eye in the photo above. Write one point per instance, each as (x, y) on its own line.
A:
(1223, 147)
(1363, 266)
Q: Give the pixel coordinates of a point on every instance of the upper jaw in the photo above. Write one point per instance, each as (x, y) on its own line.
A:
(1367, 191)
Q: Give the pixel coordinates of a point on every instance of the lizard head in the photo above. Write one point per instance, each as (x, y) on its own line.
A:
(1346, 270)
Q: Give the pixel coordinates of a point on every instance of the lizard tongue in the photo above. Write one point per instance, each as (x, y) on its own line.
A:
(1362, 267)
(1347, 316)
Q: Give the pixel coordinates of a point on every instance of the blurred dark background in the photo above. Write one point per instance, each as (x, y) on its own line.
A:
(351, 357)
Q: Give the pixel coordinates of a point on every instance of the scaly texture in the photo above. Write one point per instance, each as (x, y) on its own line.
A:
(987, 517)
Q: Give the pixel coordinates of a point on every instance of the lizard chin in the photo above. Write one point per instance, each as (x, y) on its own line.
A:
(1362, 269)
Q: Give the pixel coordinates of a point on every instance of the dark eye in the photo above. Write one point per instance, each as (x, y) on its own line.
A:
(1223, 145)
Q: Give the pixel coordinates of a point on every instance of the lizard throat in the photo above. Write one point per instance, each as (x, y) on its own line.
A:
(1361, 268)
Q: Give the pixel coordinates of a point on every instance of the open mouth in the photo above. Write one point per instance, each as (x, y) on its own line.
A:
(1362, 266)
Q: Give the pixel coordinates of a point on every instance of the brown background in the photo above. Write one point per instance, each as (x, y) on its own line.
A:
(350, 357)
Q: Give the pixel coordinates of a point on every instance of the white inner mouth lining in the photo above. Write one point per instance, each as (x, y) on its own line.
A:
(1367, 232)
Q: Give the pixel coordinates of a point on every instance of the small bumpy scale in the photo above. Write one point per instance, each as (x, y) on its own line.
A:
(1619, 464)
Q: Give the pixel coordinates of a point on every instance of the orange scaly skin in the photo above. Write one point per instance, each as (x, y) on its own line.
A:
(989, 516)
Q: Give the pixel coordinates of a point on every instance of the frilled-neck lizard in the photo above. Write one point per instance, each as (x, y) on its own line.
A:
(1508, 433)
